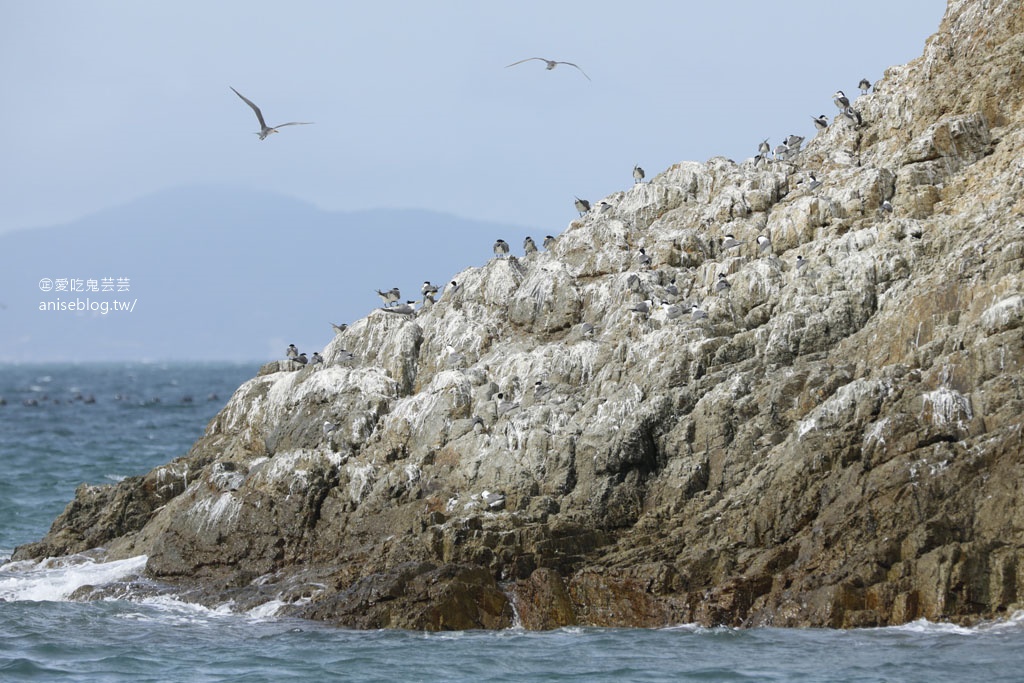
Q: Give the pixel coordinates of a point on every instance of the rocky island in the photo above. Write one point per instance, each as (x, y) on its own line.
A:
(833, 437)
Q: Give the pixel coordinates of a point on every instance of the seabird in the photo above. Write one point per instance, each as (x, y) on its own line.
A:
(886, 206)
(841, 100)
(338, 329)
(408, 308)
(764, 148)
(638, 174)
(586, 329)
(729, 242)
(266, 130)
(672, 311)
(820, 122)
(722, 283)
(317, 358)
(698, 313)
(493, 500)
(390, 297)
(292, 351)
(549, 242)
(503, 405)
(671, 289)
(793, 142)
(801, 263)
(301, 358)
(452, 287)
(428, 289)
(814, 184)
(633, 282)
(501, 248)
(763, 243)
(550, 64)
(328, 428)
(864, 86)
(529, 246)
(427, 301)
(582, 205)
(781, 151)
(853, 115)
(643, 307)
(344, 356)
(643, 259)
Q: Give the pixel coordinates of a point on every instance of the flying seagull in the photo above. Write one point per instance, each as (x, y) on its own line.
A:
(551, 64)
(266, 130)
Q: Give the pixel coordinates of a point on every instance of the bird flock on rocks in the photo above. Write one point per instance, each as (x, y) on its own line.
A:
(786, 151)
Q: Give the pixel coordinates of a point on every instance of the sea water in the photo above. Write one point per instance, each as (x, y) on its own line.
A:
(63, 425)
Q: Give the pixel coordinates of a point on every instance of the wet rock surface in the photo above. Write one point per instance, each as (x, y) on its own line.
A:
(834, 444)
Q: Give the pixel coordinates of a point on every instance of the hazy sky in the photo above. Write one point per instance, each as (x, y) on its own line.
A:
(106, 101)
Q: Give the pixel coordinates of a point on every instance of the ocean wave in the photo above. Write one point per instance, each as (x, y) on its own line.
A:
(56, 579)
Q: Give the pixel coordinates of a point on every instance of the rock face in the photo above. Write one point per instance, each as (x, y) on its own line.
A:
(834, 444)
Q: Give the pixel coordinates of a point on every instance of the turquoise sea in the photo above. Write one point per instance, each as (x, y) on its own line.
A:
(61, 425)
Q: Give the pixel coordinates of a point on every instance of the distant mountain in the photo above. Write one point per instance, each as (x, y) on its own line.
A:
(218, 273)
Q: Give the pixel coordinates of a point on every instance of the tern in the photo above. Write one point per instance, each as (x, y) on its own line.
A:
(864, 86)
(549, 242)
(820, 122)
(582, 205)
(638, 174)
(841, 100)
(529, 246)
(501, 248)
(266, 130)
(550, 64)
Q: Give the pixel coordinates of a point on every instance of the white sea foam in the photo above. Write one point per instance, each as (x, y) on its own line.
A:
(55, 579)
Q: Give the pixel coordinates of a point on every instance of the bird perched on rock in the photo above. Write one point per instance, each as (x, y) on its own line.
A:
(722, 284)
(529, 246)
(390, 297)
(317, 358)
(793, 142)
(864, 86)
(672, 311)
(764, 148)
(781, 151)
(266, 130)
(408, 308)
(763, 243)
(638, 174)
(853, 115)
(801, 263)
(501, 248)
(730, 242)
(292, 351)
(301, 358)
(549, 64)
(428, 289)
(820, 122)
(841, 100)
(549, 242)
(697, 313)
(886, 206)
(643, 307)
(338, 329)
(814, 183)
(643, 259)
(582, 205)
(603, 206)
(503, 406)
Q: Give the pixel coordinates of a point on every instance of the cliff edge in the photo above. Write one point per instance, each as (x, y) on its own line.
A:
(834, 439)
